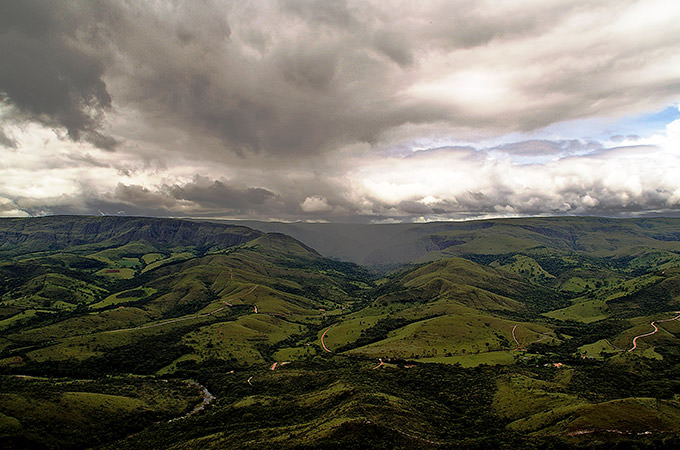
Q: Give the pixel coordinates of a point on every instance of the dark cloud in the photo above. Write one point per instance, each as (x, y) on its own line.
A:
(201, 196)
(141, 197)
(85, 160)
(218, 195)
(303, 76)
(47, 75)
(319, 13)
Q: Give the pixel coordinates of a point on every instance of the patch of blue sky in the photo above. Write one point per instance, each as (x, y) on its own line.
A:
(604, 129)
(589, 132)
(645, 125)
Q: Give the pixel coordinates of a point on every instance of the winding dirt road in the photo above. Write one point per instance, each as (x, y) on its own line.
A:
(519, 346)
(656, 329)
(323, 336)
(515, 338)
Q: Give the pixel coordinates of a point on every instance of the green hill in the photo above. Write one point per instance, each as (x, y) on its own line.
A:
(651, 240)
(515, 333)
(83, 234)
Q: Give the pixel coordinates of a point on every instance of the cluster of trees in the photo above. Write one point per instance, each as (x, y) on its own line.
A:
(651, 299)
(380, 330)
(143, 356)
(440, 403)
(53, 422)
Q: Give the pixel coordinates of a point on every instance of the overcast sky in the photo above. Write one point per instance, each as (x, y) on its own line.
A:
(369, 111)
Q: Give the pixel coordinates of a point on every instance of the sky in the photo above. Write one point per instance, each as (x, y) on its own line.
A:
(340, 111)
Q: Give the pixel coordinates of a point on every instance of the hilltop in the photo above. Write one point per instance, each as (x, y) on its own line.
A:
(394, 244)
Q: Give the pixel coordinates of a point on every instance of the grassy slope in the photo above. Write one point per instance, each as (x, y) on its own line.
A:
(176, 316)
(202, 305)
(653, 240)
(85, 412)
(546, 408)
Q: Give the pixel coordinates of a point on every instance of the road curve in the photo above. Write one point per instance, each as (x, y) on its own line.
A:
(323, 336)
(515, 337)
(656, 329)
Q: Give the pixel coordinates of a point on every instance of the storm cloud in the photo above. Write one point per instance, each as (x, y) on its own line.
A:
(47, 74)
(336, 110)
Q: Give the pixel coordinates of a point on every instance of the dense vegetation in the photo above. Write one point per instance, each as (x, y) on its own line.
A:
(505, 334)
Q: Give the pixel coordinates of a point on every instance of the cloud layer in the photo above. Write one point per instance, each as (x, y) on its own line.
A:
(335, 110)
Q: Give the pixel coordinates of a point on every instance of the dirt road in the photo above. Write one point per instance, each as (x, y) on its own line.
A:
(250, 291)
(515, 338)
(613, 346)
(180, 319)
(324, 335)
(541, 339)
(167, 322)
(656, 329)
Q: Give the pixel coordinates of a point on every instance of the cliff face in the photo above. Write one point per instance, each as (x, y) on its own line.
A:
(20, 236)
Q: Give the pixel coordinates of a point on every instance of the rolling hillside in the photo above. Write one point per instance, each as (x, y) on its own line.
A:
(184, 334)
(390, 244)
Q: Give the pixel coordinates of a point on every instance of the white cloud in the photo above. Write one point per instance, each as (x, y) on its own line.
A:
(315, 204)
(608, 181)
